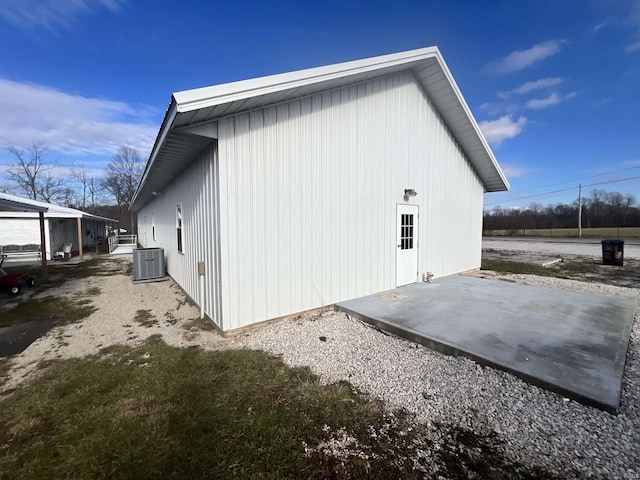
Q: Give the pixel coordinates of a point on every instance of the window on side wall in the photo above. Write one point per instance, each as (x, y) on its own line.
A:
(179, 228)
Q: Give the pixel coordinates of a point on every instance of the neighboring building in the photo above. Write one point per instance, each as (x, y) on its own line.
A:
(61, 225)
(307, 188)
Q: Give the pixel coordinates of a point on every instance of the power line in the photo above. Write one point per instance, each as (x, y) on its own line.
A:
(572, 181)
(562, 190)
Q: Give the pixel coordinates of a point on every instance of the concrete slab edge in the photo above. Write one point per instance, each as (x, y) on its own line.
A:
(626, 335)
(448, 349)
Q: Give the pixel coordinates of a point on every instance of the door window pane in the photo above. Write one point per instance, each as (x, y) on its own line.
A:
(406, 231)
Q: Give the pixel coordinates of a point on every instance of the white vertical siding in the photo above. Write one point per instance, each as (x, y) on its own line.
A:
(308, 194)
(196, 189)
(19, 231)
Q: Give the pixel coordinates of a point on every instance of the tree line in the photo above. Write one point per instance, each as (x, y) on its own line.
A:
(600, 209)
(35, 175)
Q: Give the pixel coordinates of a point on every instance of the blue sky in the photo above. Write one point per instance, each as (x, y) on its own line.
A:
(554, 84)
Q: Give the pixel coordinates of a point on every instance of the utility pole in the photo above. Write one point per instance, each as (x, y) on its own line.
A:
(580, 211)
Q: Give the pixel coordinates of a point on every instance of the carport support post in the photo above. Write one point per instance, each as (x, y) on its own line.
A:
(80, 237)
(43, 246)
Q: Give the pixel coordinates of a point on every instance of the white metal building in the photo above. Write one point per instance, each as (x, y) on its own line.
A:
(307, 188)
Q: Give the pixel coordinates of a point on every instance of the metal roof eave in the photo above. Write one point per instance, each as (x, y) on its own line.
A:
(17, 206)
(199, 98)
(11, 203)
(484, 160)
(165, 127)
(217, 101)
(91, 216)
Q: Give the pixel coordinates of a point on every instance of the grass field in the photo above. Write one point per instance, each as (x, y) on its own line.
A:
(156, 411)
(601, 233)
(161, 412)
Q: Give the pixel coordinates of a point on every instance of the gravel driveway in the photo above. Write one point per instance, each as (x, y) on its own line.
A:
(526, 423)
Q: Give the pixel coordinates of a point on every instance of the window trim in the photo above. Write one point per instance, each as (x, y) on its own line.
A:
(180, 228)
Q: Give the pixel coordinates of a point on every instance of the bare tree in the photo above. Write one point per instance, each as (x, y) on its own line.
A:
(93, 187)
(69, 198)
(32, 173)
(81, 175)
(123, 174)
(121, 180)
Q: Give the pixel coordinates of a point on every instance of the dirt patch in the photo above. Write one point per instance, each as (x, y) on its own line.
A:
(572, 267)
(145, 318)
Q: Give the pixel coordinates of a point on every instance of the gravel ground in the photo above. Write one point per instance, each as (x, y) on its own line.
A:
(526, 423)
(584, 247)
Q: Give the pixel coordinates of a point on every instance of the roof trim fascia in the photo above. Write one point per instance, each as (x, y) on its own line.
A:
(198, 98)
(467, 111)
(167, 124)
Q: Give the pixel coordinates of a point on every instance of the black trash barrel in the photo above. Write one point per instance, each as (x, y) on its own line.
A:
(613, 252)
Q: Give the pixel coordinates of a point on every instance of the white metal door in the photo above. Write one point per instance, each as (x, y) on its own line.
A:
(407, 245)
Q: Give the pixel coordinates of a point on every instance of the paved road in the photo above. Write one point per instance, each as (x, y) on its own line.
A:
(557, 246)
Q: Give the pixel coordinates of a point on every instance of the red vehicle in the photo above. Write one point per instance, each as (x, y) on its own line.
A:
(13, 282)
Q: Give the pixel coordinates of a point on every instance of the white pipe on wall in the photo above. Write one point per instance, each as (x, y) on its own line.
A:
(201, 282)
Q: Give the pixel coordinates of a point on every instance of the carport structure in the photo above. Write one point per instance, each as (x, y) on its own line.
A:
(571, 343)
(9, 203)
(19, 218)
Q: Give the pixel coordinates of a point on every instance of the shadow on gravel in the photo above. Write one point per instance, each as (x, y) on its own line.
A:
(16, 338)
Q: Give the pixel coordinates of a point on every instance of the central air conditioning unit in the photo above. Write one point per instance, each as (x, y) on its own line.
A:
(148, 264)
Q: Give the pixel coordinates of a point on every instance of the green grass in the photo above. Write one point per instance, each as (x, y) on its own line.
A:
(586, 270)
(162, 412)
(505, 266)
(558, 270)
(601, 233)
(63, 309)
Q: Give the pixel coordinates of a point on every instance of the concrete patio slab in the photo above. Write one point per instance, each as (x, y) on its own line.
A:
(571, 343)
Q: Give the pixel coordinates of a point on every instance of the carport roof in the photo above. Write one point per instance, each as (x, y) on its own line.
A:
(189, 124)
(9, 203)
(14, 204)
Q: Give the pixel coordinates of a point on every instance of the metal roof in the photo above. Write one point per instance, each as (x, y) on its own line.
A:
(11, 203)
(189, 125)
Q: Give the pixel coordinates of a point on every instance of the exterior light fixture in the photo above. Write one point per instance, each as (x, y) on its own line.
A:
(157, 194)
(410, 192)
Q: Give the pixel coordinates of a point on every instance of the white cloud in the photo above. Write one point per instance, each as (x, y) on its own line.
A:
(514, 171)
(71, 124)
(602, 102)
(496, 131)
(521, 59)
(633, 47)
(601, 25)
(50, 14)
(532, 86)
(553, 99)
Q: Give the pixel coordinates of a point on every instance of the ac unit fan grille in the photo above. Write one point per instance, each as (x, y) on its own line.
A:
(148, 263)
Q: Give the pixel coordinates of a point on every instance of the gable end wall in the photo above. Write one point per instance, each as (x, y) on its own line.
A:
(308, 195)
